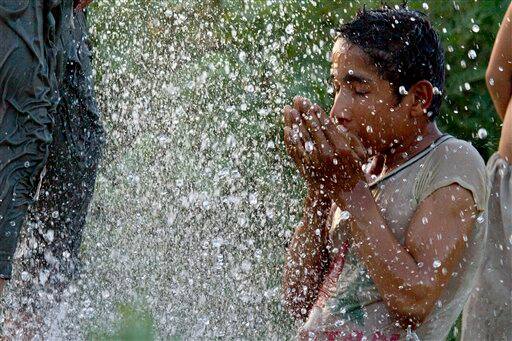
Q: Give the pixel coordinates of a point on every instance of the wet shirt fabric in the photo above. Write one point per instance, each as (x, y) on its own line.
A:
(41, 61)
(488, 313)
(352, 307)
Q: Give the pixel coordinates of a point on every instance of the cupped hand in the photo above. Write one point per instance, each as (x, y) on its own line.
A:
(328, 157)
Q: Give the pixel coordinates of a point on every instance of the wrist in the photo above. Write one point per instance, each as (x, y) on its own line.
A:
(318, 195)
(353, 198)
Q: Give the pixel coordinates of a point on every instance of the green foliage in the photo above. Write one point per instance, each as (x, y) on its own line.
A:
(134, 325)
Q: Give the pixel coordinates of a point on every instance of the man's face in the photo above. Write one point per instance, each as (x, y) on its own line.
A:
(365, 103)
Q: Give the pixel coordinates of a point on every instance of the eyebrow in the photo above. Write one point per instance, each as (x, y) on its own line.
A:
(349, 78)
(356, 78)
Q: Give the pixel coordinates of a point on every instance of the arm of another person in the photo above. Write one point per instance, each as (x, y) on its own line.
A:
(499, 71)
(411, 277)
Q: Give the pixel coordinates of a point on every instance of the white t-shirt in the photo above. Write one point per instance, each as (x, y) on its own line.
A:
(354, 306)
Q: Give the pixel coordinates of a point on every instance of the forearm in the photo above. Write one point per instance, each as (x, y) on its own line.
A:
(499, 71)
(393, 269)
(307, 257)
(500, 89)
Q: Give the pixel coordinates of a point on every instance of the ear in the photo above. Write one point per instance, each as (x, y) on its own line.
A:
(421, 95)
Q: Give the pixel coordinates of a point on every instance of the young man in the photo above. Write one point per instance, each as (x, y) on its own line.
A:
(488, 313)
(391, 251)
(50, 145)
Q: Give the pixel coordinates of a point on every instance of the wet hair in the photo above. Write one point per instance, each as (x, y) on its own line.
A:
(403, 45)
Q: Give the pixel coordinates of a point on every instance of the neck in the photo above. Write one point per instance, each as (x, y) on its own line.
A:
(408, 148)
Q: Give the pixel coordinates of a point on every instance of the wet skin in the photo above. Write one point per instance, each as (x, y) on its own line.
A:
(364, 99)
(499, 83)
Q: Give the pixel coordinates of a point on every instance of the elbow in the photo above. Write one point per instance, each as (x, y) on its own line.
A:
(412, 316)
(413, 308)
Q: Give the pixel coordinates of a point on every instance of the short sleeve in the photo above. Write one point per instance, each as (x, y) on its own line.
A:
(454, 161)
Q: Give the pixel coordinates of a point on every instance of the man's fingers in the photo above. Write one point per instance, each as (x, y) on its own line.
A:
(294, 148)
(301, 104)
(291, 116)
(338, 139)
(357, 146)
(314, 126)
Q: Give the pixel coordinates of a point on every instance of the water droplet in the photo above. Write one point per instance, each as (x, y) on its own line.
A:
(482, 133)
(309, 146)
(472, 54)
(249, 88)
(467, 86)
(350, 72)
(335, 161)
(425, 6)
(49, 236)
(424, 220)
(289, 29)
(475, 28)
(344, 215)
(217, 242)
(480, 218)
(25, 276)
(246, 266)
(55, 214)
(444, 271)
(27, 164)
(242, 55)
(317, 232)
(436, 264)
(491, 81)
(420, 264)
(402, 90)
(253, 200)
(369, 129)
(419, 138)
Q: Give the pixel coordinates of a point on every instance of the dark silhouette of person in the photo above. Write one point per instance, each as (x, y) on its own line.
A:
(51, 140)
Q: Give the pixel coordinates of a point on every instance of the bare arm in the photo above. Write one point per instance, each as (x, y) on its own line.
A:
(307, 257)
(499, 71)
(411, 278)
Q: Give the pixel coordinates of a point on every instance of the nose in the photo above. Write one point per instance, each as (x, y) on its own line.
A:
(341, 107)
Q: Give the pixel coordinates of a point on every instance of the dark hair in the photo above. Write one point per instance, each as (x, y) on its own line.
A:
(403, 45)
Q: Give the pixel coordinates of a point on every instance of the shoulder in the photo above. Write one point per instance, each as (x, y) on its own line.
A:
(455, 149)
(454, 161)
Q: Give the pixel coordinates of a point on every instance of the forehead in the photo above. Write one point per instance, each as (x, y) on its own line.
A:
(346, 55)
